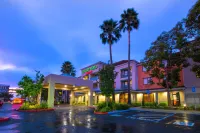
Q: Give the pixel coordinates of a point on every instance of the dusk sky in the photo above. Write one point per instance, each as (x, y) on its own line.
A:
(42, 34)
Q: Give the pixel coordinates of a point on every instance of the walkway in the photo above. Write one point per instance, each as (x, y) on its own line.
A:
(167, 111)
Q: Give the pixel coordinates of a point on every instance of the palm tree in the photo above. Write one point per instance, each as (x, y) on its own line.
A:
(129, 21)
(110, 35)
(68, 68)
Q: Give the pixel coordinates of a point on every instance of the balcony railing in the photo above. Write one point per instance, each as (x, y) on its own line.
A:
(126, 86)
(125, 75)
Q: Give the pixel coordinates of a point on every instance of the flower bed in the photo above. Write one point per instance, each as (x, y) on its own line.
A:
(27, 107)
(3, 119)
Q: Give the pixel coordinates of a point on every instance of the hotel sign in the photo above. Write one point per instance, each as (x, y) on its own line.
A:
(89, 69)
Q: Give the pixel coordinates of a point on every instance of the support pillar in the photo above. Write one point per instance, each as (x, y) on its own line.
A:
(157, 98)
(90, 98)
(72, 97)
(51, 91)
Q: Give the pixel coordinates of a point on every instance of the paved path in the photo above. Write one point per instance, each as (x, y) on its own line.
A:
(168, 111)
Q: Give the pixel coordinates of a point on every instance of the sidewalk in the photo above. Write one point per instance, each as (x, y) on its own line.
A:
(167, 111)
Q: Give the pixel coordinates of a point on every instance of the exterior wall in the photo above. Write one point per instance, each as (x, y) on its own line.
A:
(133, 76)
(101, 98)
(190, 80)
(162, 97)
(142, 75)
(139, 97)
(117, 98)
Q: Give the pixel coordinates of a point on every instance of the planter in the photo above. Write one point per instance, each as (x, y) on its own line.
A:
(36, 110)
(3, 119)
(100, 113)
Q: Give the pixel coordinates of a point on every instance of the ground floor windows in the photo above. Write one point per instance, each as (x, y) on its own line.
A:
(148, 97)
(123, 98)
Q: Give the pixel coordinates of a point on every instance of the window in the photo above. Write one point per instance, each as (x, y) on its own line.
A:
(147, 80)
(144, 69)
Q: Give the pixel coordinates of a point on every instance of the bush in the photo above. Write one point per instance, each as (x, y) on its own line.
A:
(28, 106)
(119, 106)
(112, 106)
(25, 106)
(162, 104)
(43, 105)
(150, 104)
(105, 109)
(136, 104)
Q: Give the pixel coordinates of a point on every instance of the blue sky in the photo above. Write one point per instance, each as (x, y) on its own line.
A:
(41, 35)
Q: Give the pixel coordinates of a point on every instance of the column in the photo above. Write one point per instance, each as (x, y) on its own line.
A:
(51, 91)
(72, 97)
(90, 98)
(157, 97)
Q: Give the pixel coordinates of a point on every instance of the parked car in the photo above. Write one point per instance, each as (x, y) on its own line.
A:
(17, 101)
(1, 103)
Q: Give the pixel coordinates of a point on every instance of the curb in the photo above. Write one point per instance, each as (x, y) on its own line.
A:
(101, 113)
(36, 110)
(3, 119)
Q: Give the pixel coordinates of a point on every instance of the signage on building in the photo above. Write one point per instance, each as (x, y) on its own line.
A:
(148, 91)
(193, 89)
(89, 69)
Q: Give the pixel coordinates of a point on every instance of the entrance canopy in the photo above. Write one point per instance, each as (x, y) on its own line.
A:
(63, 82)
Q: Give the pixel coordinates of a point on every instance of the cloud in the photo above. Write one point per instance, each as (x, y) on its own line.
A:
(11, 67)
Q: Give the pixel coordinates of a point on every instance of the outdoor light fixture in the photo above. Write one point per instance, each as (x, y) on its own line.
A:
(65, 85)
(88, 93)
(70, 95)
(184, 105)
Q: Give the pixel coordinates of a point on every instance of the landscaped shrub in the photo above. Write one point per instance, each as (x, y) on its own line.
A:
(112, 106)
(105, 109)
(43, 105)
(162, 104)
(150, 104)
(25, 106)
(119, 106)
(28, 106)
(136, 104)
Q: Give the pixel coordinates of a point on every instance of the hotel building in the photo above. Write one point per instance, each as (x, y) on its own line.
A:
(141, 89)
(86, 90)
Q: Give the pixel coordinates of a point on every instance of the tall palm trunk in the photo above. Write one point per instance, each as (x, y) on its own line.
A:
(111, 62)
(129, 54)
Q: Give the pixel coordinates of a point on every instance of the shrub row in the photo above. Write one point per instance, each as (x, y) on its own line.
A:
(28, 106)
(110, 106)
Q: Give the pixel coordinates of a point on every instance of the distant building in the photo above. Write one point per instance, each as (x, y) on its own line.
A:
(4, 88)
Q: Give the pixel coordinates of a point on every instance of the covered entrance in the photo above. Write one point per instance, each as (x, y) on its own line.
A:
(74, 85)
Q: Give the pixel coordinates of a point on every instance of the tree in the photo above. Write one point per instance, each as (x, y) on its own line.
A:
(193, 30)
(68, 68)
(164, 60)
(129, 21)
(31, 88)
(110, 35)
(106, 79)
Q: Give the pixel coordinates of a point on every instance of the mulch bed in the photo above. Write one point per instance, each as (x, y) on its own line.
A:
(101, 113)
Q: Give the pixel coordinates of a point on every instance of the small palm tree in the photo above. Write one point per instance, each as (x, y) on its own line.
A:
(110, 35)
(68, 68)
(129, 21)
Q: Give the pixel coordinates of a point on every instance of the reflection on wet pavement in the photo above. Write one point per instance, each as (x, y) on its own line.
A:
(82, 120)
